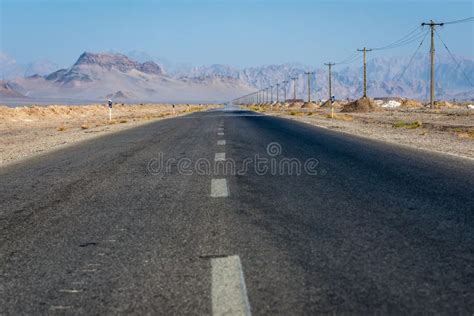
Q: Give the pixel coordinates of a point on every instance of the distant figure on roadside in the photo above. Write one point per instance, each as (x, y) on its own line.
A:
(333, 99)
(173, 109)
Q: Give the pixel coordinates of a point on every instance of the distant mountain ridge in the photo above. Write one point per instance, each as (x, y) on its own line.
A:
(10, 68)
(98, 75)
(95, 76)
(386, 77)
(118, 61)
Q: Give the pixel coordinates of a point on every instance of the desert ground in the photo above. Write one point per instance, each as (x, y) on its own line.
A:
(447, 128)
(31, 130)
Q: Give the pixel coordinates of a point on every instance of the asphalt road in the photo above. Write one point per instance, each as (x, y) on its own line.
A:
(362, 228)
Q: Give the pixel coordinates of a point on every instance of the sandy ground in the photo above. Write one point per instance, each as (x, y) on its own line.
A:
(449, 130)
(29, 131)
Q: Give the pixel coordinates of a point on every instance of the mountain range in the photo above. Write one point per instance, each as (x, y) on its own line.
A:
(140, 77)
(390, 76)
(10, 68)
(104, 75)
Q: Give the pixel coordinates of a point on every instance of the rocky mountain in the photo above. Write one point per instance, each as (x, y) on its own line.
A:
(173, 68)
(8, 90)
(117, 61)
(394, 76)
(96, 76)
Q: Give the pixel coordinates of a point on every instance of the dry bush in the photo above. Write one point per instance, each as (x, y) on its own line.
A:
(411, 103)
(364, 104)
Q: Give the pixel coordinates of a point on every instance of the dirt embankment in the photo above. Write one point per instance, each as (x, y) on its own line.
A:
(444, 129)
(28, 131)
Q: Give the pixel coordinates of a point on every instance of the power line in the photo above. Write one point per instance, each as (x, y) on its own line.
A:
(408, 36)
(455, 60)
(411, 59)
(407, 41)
(355, 58)
(470, 19)
(348, 59)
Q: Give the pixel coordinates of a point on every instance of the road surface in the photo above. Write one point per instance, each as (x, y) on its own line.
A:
(233, 211)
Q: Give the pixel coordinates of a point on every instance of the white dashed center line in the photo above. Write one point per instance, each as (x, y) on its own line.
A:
(219, 188)
(229, 294)
(219, 157)
(60, 307)
(72, 291)
(220, 134)
(220, 142)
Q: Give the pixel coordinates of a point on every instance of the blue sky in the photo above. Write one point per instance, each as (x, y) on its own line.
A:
(235, 32)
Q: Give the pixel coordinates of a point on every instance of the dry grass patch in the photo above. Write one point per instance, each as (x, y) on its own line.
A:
(256, 108)
(469, 134)
(340, 117)
(409, 125)
(85, 126)
(294, 113)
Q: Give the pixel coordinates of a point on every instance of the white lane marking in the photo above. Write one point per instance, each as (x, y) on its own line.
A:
(220, 129)
(70, 291)
(219, 157)
(220, 142)
(60, 307)
(219, 188)
(220, 134)
(229, 294)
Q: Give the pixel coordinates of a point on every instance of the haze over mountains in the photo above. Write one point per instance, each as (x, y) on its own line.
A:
(99, 76)
(10, 68)
(386, 77)
(140, 77)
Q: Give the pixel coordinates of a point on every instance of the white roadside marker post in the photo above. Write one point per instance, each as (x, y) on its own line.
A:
(110, 109)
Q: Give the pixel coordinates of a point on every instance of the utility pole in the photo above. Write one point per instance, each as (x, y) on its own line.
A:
(432, 26)
(284, 89)
(329, 64)
(271, 94)
(365, 50)
(308, 73)
(277, 86)
(294, 88)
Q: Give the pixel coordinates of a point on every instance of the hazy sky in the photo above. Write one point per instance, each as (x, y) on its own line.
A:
(235, 32)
